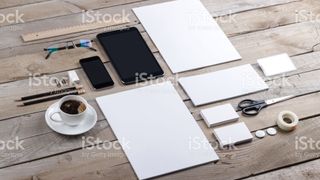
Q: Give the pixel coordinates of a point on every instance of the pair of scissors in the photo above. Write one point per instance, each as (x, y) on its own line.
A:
(251, 107)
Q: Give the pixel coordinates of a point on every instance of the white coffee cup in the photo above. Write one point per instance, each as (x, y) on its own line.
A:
(70, 119)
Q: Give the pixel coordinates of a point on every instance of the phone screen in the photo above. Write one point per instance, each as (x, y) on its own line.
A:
(130, 55)
(96, 72)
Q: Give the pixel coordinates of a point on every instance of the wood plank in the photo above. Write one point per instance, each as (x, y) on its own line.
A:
(53, 168)
(305, 171)
(274, 152)
(10, 91)
(49, 144)
(218, 9)
(12, 3)
(56, 8)
(243, 161)
(304, 107)
(13, 45)
(46, 9)
(265, 43)
(278, 48)
(31, 125)
(264, 120)
(269, 17)
(93, 163)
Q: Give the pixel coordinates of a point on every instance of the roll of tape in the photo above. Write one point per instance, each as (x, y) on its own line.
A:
(287, 120)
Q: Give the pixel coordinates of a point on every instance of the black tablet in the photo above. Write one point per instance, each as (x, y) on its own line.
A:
(130, 55)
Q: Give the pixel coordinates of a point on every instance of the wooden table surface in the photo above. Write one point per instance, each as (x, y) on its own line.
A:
(257, 28)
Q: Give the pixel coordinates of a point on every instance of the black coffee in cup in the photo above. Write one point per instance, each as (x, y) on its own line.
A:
(73, 107)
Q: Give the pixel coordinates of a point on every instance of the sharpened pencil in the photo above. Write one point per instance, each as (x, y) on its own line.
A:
(60, 91)
(50, 98)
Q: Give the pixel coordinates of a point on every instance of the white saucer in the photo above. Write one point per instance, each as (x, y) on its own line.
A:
(62, 128)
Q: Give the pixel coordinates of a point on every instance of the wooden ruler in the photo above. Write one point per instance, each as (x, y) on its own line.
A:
(70, 30)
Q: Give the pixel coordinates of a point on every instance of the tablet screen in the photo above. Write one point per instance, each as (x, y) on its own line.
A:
(130, 55)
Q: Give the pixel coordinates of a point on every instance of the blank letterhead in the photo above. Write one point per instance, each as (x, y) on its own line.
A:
(186, 35)
(156, 130)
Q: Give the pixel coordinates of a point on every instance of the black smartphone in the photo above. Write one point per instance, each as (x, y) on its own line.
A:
(130, 55)
(96, 72)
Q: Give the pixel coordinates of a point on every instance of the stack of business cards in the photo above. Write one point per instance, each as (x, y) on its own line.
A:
(219, 115)
(233, 134)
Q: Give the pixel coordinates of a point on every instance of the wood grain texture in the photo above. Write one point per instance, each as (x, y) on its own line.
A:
(309, 170)
(259, 28)
(56, 8)
(11, 92)
(13, 45)
(243, 161)
(266, 119)
(30, 63)
(17, 3)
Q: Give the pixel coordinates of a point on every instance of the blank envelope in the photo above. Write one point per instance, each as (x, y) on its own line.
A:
(223, 84)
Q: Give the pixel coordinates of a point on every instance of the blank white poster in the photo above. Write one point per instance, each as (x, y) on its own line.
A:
(186, 35)
(223, 84)
(156, 130)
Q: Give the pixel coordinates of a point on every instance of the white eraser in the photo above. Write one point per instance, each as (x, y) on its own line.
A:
(276, 64)
(219, 115)
(73, 77)
(233, 134)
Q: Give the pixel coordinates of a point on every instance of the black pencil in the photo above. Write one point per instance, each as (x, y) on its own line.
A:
(60, 91)
(50, 98)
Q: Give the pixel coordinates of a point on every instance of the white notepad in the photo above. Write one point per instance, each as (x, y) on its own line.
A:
(233, 134)
(221, 85)
(218, 115)
(186, 35)
(277, 64)
(161, 133)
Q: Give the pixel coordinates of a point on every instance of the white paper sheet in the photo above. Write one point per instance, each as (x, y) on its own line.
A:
(277, 64)
(221, 85)
(186, 35)
(156, 130)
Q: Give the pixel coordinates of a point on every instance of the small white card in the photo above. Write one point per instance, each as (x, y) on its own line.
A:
(219, 115)
(277, 64)
(233, 134)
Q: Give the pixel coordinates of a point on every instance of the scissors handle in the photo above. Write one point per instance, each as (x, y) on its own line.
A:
(250, 107)
(248, 103)
(253, 110)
